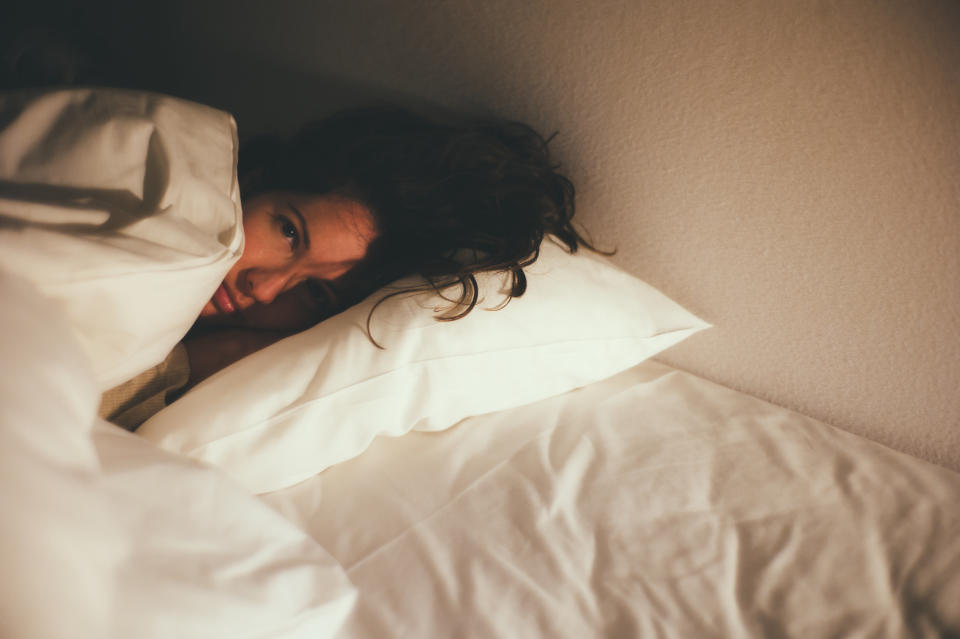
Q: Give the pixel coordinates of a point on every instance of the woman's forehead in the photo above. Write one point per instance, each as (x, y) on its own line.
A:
(337, 230)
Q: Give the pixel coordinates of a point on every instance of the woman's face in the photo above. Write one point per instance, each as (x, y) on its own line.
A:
(290, 239)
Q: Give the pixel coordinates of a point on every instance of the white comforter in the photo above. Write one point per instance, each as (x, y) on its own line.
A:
(103, 535)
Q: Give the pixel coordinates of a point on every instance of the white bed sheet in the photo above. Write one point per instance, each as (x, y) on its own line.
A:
(654, 504)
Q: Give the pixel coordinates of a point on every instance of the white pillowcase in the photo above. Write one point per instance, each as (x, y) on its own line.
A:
(124, 207)
(320, 397)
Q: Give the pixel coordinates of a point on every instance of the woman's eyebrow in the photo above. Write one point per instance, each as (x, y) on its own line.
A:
(303, 225)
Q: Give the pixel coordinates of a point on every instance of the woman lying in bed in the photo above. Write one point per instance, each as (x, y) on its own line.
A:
(350, 204)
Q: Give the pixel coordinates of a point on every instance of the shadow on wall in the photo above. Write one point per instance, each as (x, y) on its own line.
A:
(97, 42)
(135, 46)
(268, 98)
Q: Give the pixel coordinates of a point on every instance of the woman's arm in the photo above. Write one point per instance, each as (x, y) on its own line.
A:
(211, 351)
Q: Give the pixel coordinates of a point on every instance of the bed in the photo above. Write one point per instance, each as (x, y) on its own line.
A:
(525, 472)
(651, 504)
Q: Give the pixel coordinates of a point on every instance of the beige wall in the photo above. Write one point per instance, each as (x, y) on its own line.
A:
(788, 170)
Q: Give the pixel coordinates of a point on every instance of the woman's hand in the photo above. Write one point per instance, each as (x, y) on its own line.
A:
(212, 351)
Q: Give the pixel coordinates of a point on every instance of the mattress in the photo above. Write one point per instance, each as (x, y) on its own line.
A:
(653, 504)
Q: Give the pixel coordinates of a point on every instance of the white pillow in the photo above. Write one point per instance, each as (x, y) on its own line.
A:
(320, 397)
(124, 207)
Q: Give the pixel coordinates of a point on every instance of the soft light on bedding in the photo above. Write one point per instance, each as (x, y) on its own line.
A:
(103, 535)
(653, 504)
(124, 207)
(59, 543)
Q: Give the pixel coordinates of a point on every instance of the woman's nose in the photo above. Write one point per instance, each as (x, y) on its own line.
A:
(265, 285)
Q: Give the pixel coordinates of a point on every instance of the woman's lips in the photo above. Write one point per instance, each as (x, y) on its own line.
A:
(223, 300)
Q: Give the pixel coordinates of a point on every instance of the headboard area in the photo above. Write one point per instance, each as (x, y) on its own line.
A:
(790, 172)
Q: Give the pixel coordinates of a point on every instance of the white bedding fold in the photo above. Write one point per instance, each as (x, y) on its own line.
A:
(652, 504)
(206, 558)
(103, 535)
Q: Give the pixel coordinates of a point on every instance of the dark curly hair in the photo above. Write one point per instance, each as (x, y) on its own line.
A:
(451, 198)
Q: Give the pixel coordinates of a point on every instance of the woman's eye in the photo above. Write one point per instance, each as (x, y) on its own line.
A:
(289, 232)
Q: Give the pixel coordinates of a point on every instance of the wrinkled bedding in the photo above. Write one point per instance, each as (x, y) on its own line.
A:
(104, 535)
(653, 504)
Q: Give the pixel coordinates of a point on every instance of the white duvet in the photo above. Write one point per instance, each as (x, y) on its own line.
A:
(104, 536)
(124, 207)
